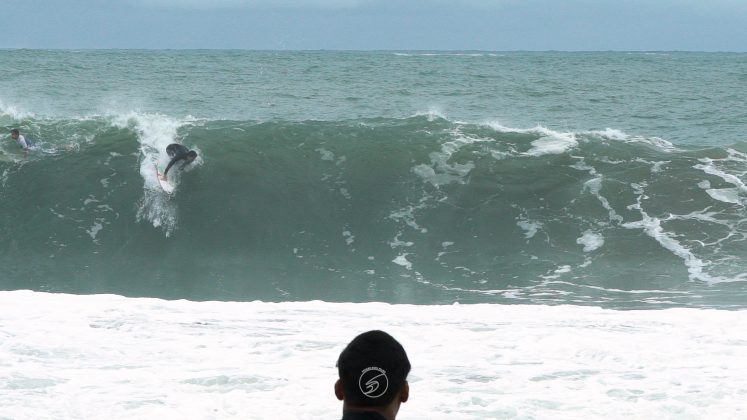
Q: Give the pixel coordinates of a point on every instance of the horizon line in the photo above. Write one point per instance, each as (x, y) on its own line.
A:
(364, 50)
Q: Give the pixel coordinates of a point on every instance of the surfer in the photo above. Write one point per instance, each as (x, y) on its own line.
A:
(15, 135)
(178, 152)
(373, 372)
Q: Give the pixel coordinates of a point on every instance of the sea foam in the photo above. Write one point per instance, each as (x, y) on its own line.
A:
(105, 356)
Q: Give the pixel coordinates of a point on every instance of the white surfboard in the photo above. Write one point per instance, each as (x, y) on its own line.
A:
(166, 186)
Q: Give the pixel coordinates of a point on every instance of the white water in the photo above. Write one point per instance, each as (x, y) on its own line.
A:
(110, 357)
(155, 133)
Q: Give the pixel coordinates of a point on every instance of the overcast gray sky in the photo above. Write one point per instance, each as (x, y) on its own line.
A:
(496, 25)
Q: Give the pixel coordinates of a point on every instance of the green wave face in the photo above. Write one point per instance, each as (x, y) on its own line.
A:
(420, 210)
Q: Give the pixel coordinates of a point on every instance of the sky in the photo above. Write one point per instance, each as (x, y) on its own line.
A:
(491, 25)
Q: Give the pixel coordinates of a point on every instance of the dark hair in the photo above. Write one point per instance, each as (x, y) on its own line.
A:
(192, 154)
(372, 368)
(14, 131)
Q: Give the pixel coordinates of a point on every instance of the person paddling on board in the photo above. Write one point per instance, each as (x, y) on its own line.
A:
(15, 135)
(178, 152)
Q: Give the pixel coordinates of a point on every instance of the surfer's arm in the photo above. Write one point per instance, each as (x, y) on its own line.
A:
(24, 145)
(173, 161)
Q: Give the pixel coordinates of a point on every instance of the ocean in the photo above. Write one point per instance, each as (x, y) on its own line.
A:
(549, 234)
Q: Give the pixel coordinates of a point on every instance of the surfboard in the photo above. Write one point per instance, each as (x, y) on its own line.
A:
(165, 185)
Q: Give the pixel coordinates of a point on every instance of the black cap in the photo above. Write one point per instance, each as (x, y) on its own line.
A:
(373, 368)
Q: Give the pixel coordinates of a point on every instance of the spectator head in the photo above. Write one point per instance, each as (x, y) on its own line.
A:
(373, 371)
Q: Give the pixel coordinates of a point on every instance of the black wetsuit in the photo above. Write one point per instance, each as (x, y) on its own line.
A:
(176, 152)
(362, 415)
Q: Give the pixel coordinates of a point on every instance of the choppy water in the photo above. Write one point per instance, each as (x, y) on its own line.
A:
(614, 180)
(415, 210)
(609, 178)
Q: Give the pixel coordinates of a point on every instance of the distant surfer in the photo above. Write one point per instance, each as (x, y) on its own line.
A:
(15, 135)
(178, 152)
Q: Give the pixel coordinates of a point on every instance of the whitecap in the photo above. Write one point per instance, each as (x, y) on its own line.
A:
(590, 240)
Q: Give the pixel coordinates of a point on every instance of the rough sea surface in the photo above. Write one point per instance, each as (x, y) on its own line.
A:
(586, 210)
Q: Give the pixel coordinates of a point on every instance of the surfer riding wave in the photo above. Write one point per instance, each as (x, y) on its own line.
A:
(178, 152)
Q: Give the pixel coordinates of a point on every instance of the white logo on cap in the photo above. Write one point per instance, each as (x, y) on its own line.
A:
(373, 382)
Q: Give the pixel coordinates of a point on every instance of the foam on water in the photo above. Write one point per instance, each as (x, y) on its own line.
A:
(727, 195)
(552, 145)
(730, 170)
(529, 227)
(652, 226)
(595, 186)
(591, 241)
(440, 171)
(81, 357)
(433, 113)
(550, 142)
(14, 112)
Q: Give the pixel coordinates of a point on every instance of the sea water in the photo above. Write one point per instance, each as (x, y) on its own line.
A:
(550, 235)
